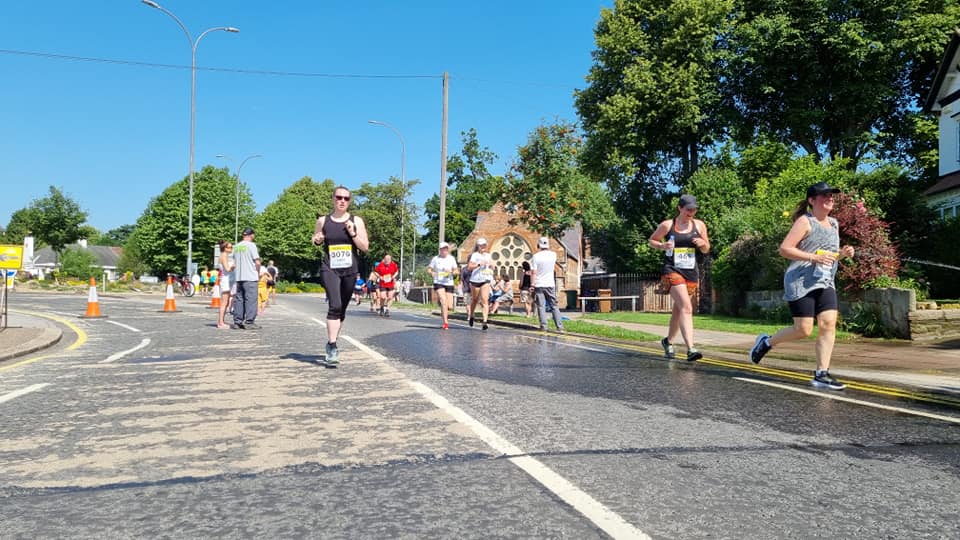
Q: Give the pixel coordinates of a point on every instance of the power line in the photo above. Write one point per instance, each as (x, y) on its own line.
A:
(216, 69)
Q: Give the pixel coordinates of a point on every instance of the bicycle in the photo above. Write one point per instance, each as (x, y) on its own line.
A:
(183, 285)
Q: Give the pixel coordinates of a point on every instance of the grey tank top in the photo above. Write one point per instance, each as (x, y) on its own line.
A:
(802, 277)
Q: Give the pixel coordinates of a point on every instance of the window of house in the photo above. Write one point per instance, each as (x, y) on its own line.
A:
(508, 254)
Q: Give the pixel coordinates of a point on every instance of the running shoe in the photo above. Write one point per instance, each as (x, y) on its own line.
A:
(693, 355)
(236, 326)
(823, 379)
(331, 355)
(470, 322)
(445, 326)
(381, 312)
(760, 348)
(668, 351)
(484, 326)
(252, 326)
(386, 313)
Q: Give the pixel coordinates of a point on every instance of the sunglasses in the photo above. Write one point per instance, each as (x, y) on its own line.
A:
(342, 197)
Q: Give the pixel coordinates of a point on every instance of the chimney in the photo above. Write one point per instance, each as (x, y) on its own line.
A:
(82, 243)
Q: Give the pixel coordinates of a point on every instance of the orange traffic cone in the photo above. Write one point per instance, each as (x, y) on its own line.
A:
(169, 304)
(93, 303)
(215, 301)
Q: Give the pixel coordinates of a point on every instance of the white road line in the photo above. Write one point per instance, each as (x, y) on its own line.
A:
(13, 395)
(121, 325)
(321, 323)
(121, 354)
(601, 516)
(835, 397)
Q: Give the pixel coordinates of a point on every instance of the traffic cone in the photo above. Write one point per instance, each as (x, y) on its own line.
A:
(93, 303)
(215, 301)
(169, 304)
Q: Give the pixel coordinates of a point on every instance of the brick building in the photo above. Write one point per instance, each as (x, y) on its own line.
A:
(512, 243)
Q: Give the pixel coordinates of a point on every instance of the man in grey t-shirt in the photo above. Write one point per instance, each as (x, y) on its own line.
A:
(246, 275)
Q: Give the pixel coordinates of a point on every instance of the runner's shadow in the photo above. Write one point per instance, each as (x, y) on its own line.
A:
(315, 359)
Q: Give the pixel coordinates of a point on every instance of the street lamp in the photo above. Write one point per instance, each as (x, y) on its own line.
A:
(193, 111)
(403, 206)
(236, 215)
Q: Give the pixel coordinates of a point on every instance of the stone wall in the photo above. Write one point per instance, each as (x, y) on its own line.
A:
(895, 307)
(765, 299)
(934, 324)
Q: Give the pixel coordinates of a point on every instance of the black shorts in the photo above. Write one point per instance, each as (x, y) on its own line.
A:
(271, 283)
(815, 303)
(446, 288)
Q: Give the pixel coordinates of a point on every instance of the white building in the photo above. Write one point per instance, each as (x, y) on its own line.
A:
(944, 99)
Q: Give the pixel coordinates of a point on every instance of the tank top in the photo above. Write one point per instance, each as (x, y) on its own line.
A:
(342, 253)
(683, 260)
(803, 276)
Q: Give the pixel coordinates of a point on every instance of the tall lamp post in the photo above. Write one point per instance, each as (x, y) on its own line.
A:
(193, 111)
(403, 206)
(236, 214)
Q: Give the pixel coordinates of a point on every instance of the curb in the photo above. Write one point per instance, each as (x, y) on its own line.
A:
(47, 338)
(729, 355)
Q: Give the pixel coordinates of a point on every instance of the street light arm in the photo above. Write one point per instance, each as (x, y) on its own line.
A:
(215, 29)
(176, 19)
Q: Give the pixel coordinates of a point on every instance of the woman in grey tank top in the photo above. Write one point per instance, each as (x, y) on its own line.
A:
(813, 247)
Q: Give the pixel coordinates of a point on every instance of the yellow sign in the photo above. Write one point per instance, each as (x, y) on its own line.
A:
(11, 257)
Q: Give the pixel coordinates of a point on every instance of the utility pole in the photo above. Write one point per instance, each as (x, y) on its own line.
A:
(443, 157)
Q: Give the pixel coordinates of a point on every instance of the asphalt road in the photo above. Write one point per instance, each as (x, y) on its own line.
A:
(148, 424)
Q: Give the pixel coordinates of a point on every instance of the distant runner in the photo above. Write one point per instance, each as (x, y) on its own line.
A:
(443, 268)
(388, 272)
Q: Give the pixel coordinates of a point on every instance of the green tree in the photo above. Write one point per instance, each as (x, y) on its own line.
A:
(380, 206)
(56, 219)
(79, 263)
(117, 236)
(21, 225)
(162, 228)
(285, 226)
(132, 260)
(547, 190)
(471, 188)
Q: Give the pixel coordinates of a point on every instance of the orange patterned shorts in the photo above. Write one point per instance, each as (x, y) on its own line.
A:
(673, 279)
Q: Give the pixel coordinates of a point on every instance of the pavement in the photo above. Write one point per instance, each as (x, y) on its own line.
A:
(925, 367)
(928, 367)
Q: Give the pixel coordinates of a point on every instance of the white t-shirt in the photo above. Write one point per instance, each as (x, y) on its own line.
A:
(484, 272)
(443, 268)
(542, 264)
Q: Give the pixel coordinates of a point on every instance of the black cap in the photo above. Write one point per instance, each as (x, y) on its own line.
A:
(248, 231)
(820, 188)
(688, 201)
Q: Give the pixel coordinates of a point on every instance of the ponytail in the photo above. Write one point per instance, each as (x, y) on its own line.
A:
(801, 210)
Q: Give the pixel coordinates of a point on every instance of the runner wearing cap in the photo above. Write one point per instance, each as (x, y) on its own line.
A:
(680, 238)
(813, 247)
(387, 271)
(343, 236)
(443, 268)
(481, 274)
(543, 276)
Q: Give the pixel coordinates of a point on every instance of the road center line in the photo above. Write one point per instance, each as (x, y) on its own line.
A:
(944, 418)
(121, 325)
(601, 516)
(116, 356)
(23, 391)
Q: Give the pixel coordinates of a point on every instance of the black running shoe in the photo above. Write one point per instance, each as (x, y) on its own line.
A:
(470, 322)
(760, 348)
(823, 379)
(484, 326)
(693, 355)
(668, 351)
(236, 326)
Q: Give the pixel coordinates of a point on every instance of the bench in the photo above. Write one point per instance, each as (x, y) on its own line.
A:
(583, 304)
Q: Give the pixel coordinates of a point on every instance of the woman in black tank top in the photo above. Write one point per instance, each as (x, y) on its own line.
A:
(343, 237)
(680, 239)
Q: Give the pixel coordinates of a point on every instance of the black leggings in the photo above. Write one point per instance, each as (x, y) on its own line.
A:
(339, 292)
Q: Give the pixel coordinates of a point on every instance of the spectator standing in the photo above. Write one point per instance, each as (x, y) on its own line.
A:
(526, 289)
(544, 283)
(247, 275)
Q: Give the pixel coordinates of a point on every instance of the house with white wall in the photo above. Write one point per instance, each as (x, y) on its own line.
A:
(944, 100)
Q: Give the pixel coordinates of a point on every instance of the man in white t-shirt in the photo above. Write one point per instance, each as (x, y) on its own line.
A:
(544, 283)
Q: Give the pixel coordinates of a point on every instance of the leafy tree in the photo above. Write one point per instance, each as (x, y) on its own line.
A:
(380, 206)
(471, 188)
(21, 225)
(132, 260)
(723, 204)
(162, 228)
(285, 226)
(56, 219)
(117, 236)
(79, 263)
(546, 189)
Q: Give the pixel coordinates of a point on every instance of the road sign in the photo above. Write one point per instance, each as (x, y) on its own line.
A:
(11, 257)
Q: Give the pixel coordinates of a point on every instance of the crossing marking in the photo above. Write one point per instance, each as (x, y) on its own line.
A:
(835, 397)
(121, 354)
(121, 325)
(23, 391)
(601, 516)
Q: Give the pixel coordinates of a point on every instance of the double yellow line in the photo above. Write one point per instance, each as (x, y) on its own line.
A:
(81, 339)
(886, 391)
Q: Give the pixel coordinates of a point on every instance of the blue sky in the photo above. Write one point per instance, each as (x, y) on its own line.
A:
(113, 136)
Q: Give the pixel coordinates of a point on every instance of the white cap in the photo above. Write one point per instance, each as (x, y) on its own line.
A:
(544, 243)
(481, 241)
(443, 245)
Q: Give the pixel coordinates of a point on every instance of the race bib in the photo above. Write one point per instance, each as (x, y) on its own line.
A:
(684, 258)
(341, 256)
(443, 275)
(824, 270)
(386, 278)
(486, 274)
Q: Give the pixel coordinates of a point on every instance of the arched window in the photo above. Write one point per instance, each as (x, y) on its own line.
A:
(508, 253)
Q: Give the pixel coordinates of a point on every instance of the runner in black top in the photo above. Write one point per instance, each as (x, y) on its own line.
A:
(343, 237)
